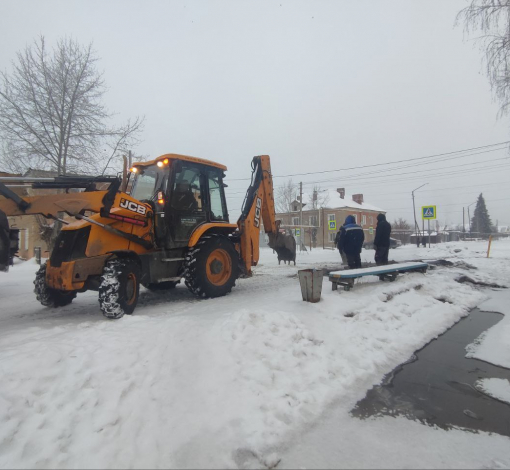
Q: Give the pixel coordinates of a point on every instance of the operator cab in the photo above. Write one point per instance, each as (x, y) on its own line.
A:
(184, 192)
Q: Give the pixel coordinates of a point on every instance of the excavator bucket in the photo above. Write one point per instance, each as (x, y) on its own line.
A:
(5, 243)
(284, 245)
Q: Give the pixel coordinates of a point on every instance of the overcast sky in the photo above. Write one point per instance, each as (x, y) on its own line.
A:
(318, 86)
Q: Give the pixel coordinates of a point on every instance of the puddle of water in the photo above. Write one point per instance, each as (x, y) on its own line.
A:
(438, 386)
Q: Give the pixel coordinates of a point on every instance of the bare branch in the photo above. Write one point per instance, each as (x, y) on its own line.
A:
(52, 113)
(492, 19)
(285, 195)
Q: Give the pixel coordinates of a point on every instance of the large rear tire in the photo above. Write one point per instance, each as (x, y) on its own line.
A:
(50, 297)
(211, 267)
(119, 288)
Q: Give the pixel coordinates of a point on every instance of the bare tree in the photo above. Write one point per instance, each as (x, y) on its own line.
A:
(401, 224)
(52, 115)
(285, 195)
(47, 231)
(492, 19)
(319, 198)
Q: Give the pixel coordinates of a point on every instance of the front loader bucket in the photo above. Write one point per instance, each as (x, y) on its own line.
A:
(5, 243)
(284, 245)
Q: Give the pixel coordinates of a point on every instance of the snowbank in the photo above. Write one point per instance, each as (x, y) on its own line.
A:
(496, 388)
(215, 383)
(494, 344)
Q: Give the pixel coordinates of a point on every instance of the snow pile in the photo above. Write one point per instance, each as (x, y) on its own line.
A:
(216, 383)
(292, 365)
(496, 388)
(494, 345)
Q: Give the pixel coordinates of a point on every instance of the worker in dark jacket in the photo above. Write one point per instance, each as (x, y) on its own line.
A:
(337, 241)
(351, 241)
(382, 240)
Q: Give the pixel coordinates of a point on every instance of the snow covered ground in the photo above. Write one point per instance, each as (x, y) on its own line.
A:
(249, 380)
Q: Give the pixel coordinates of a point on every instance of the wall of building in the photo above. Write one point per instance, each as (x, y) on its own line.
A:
(29, 230)
(29, 236)
(317, 232)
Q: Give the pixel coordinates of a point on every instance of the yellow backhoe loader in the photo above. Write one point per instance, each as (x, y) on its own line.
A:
(172, 224)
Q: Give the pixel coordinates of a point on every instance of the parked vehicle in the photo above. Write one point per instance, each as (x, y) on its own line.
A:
(394, 243)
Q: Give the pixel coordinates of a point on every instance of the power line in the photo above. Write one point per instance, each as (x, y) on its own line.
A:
(495, 183)
(409, 178)
(387, 163)
(361, 175)
(423, 173)
(387, 180)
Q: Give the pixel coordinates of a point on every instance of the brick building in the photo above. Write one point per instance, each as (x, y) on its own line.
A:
(321, 225)
(29, 226)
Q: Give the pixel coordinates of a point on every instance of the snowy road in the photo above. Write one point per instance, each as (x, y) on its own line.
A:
(233, 382)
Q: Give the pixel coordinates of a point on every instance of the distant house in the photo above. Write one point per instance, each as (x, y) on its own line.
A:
(320, 225)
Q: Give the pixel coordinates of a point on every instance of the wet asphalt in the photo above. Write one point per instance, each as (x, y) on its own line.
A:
(436, 385)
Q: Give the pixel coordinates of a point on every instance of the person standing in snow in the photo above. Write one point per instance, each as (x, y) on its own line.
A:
(382, 240)
(351, 241)
(337, 241)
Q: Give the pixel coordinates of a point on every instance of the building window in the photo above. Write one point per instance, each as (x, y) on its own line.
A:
(331, 216)
(295, 220)
(371, 221)
(363, 220)
(294, 208)
(355, 218)
(313, 221)
(332, 236)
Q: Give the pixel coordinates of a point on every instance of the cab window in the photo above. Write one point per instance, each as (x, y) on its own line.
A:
(148, 181)
(216, 196)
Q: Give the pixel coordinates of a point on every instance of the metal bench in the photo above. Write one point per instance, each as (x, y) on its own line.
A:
(389, 272)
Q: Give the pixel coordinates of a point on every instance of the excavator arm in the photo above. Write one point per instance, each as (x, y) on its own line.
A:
(258, 210)
(50, 205)
(110, 204)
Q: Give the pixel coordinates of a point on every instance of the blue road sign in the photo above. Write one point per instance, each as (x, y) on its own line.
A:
(428, 212)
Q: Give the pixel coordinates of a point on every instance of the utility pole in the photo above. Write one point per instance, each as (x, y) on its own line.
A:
(416, 227)
(301, 216)
(323, 236)
(130, 159)
(463, 223)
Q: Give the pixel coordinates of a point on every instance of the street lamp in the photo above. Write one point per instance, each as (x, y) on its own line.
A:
(414, 212)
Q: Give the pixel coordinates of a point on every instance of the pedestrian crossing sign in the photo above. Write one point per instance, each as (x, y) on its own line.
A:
(428, 212)
(298, 232)
(371, 230)
(332, 224)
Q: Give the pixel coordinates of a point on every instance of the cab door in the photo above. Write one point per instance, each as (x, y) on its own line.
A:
(187, 201)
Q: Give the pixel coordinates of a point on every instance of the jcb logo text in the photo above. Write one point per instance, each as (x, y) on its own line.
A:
(258, 206)
(133, 206)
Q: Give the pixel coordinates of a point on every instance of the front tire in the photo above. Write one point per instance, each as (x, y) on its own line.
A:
(50, 297)
(211, 267)
(119, 288)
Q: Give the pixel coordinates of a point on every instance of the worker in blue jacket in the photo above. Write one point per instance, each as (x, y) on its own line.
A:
(351, 241)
